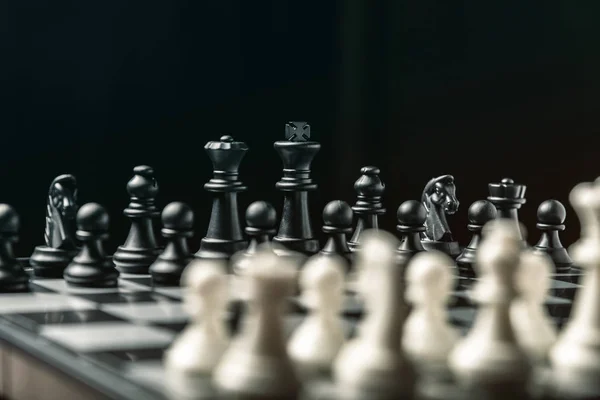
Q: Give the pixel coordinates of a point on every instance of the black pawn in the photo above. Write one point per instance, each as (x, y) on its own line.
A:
(224, 235)
(411, 217)
(337, 223)
(479, 214)
(140, 248)
(91, 267)
(178, 223)
(368, 206)
(508, 197)
(551, 215)
(297, 152)
(13, 277)
(261, 222)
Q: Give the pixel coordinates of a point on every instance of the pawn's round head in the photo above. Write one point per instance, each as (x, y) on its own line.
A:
(322, 279)
(411, 213)
(551, 212)
(337, 213)
(206, 286)
(500, 249)
(9, 221)
(376, 258)
(177, 216)
(533, 275)
(429, 278)
(261, 215)
(481, 212)
(92, 218)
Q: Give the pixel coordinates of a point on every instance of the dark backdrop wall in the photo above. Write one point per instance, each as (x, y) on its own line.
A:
(418, 89)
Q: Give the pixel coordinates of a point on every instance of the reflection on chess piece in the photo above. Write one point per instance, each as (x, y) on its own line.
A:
(439, 199)
(13, 277)
(178, 222)
(551, 215)
(51, 259)
(479, 214)
(368, 207)
(91, 267)
(224, 235)
(140, 248)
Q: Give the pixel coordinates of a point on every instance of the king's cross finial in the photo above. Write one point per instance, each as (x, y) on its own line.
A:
(297, 131)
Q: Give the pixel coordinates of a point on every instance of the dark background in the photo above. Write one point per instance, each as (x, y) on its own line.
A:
(418, 89)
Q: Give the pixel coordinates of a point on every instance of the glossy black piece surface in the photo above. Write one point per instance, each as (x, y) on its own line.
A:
(224, 235)
(140, 248)
(91, 267)
(178, 223)
(508, 197)
(551, 215)
(411, 216)
(337, 223)
(297, 153)
(480, 213)
(439, 199)
(261, 222)
(50, 259)
(13, 277)
(368, 207)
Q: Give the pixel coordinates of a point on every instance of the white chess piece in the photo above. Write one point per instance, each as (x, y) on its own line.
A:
(256, 363)
(534, 329)
(317, 341)
(373, 365)
(428, 338)
(489, 357)
(575, 358)
(194, 354)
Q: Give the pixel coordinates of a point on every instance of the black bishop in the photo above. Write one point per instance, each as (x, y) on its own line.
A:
(140, 248)
(13, 277)
(368, 207)
(551, 215)
(178, 223)
(91, 267)
(224, 235)
(479, 214)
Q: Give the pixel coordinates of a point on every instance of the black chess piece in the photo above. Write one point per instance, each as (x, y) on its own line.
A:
(337, 223)
(368, 206)
(51, 259)
(297, 152)
(439, 199)
(411, 217)
(91, 267)
(140, 248)
(551, 215)
(261, 222)
(508, 197)
(13, 277)
(224, 235)
(178, 223)
(479, 214)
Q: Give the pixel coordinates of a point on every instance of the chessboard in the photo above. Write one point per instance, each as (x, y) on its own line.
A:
(114, 338)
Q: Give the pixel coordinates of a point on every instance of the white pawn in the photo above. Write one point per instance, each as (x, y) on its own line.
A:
(575, 358)
(489, 357)
(428, 338)
(373, 365)
(534, 329)
(194, 354)
(256, 364)
(317, 341)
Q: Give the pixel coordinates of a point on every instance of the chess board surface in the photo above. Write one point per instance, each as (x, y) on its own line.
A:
(114, 339)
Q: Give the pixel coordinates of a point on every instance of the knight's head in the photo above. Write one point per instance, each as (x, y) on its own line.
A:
(443, 194)
(62, 195)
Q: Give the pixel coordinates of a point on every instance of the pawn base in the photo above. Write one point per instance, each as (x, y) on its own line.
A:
(167, 272)
(450, 248)
(134, 261)
(92, 276)
(48, 262)
(14, 280)
(559, 256)
(465, 262)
